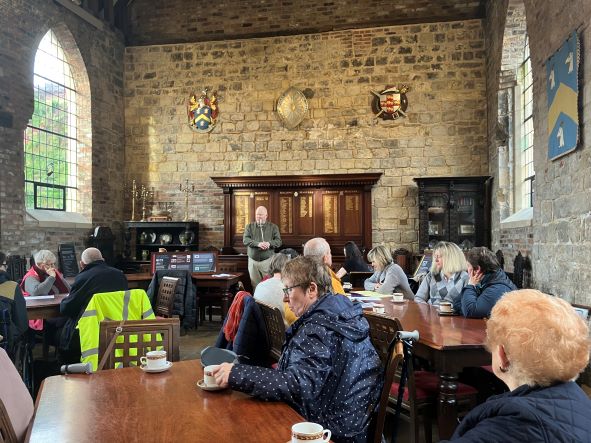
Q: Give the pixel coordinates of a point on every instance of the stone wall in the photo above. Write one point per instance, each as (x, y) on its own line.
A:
(561, 222)
(444, 134)
(22, 26)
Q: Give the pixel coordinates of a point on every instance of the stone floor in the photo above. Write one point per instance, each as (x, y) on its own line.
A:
(194, 341)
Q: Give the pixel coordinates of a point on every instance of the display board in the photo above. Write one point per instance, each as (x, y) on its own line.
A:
(193, 261)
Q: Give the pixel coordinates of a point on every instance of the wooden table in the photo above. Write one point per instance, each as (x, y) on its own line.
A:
(130, 405)
(451, 343)
(46, 308)
(218, 287)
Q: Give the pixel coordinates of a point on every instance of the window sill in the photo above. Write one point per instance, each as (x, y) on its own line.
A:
(521, 219)
(59, 219)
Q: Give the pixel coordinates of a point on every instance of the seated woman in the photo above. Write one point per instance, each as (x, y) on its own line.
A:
(486, 285)
(42, 279)
(388, 276)
(329, 371)
(270, 291)
(447, 276)
(354, 261)
(539, 345)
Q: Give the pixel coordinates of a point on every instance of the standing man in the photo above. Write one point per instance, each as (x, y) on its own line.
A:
(319, 249)
(96, 276)
(261, 239)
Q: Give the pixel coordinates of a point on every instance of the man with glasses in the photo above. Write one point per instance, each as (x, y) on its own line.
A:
(329, 371)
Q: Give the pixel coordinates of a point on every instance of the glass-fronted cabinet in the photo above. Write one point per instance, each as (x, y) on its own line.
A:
(455, 209)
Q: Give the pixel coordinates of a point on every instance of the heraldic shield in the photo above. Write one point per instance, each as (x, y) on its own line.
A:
(202, 112)
(391, 103)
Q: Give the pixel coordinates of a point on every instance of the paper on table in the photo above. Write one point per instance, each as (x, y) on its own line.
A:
(222, 275)
(40, 297)
(372, 294)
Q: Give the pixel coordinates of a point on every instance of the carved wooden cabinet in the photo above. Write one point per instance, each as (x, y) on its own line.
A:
(336, 207)
(455, 209)
(143, 238)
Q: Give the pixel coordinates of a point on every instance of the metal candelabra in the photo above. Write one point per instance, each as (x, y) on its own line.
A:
(186, 190)
(145, 194)
(134, 194)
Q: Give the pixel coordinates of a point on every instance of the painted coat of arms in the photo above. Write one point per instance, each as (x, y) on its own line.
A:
(203, 111)
(391, 103)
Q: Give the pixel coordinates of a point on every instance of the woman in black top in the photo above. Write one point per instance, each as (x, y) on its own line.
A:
(354, 261)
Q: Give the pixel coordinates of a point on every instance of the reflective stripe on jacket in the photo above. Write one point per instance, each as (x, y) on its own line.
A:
(120, 305)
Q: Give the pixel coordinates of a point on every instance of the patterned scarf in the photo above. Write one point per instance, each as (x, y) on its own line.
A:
(40, 275)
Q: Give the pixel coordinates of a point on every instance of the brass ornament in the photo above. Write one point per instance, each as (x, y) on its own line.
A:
(292, 107)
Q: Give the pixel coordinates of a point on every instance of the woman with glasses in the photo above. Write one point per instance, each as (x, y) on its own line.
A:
(42, 279)
(329, 371)
(447, 276)
(388, 276)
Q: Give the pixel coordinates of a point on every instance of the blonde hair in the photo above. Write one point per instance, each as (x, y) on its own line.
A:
(453, 258)
(381, 255)
(544, 339)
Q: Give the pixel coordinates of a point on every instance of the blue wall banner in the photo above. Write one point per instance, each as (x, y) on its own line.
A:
(562, 84)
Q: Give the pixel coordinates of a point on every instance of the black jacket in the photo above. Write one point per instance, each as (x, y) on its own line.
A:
(94, 278)
(11, 299)
(185, 297)
(559, 413)
(477, 301)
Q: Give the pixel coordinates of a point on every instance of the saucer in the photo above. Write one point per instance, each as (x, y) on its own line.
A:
(165, 368)
(447, 314)
(201, 384)
(394, 301)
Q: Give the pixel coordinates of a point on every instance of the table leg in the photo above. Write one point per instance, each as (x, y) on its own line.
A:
(447, 410)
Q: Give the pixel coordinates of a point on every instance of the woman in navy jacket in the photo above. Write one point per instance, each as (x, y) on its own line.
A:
(329, 372)
(539, 345)
(487, 283)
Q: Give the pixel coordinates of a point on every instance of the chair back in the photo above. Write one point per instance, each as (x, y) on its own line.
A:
(137, 338)
(357, 279)
(16, 404)
(275, 329)
(226, 267)
(382, 331)
(165, 296)
(16, 267)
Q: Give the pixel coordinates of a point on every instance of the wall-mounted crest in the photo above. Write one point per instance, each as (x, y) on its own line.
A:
(203, 111)
(391, 103)
(292, 107)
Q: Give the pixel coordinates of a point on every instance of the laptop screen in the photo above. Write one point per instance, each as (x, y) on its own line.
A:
(193, 261)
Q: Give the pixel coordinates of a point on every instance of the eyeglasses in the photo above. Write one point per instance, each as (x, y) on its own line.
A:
(286, 290)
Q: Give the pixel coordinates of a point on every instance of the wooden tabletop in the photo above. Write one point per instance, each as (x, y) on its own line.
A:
(44, 308)
(130, 405)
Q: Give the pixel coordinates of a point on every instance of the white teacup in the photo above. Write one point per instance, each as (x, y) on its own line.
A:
(307, 432)
(208, 377)
(379, 308)
(154, 360)
(446, 306)
(398, 297)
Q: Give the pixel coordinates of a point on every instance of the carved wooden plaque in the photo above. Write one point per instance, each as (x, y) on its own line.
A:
(286, 212)
(352, 222)
(241, 211)
(330, 211)
(305, 212)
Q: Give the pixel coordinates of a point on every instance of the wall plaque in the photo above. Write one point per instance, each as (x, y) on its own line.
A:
(242, 211)
(285, 214)
(330, 209)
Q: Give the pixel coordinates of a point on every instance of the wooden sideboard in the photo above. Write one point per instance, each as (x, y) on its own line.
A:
(336, 207)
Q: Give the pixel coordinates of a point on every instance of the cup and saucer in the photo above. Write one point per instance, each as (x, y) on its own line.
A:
(398, 297)
(155, 361)
(208, 382)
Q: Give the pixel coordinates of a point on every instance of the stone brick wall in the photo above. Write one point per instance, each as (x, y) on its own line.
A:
(175, 21)
(444, 134)
(22, 25)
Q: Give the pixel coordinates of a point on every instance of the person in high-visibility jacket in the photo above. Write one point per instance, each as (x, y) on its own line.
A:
(120, 305)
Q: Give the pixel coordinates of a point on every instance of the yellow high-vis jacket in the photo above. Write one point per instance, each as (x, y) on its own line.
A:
(133, 304)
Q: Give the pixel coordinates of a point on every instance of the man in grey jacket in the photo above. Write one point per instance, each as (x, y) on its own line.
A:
(261, 239)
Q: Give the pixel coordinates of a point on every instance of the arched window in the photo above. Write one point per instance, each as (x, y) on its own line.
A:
(51, 138)
(525, 143)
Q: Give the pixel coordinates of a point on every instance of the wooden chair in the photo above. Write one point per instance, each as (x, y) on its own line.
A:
(137, 338)
(7, 433)
(357, 279)
(391, 363)
(422, 388)
(165, 297)
(275, 329)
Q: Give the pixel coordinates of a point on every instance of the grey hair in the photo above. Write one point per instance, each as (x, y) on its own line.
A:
(44, 256)
(90, 255)
(316, 247)
(277, 263)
